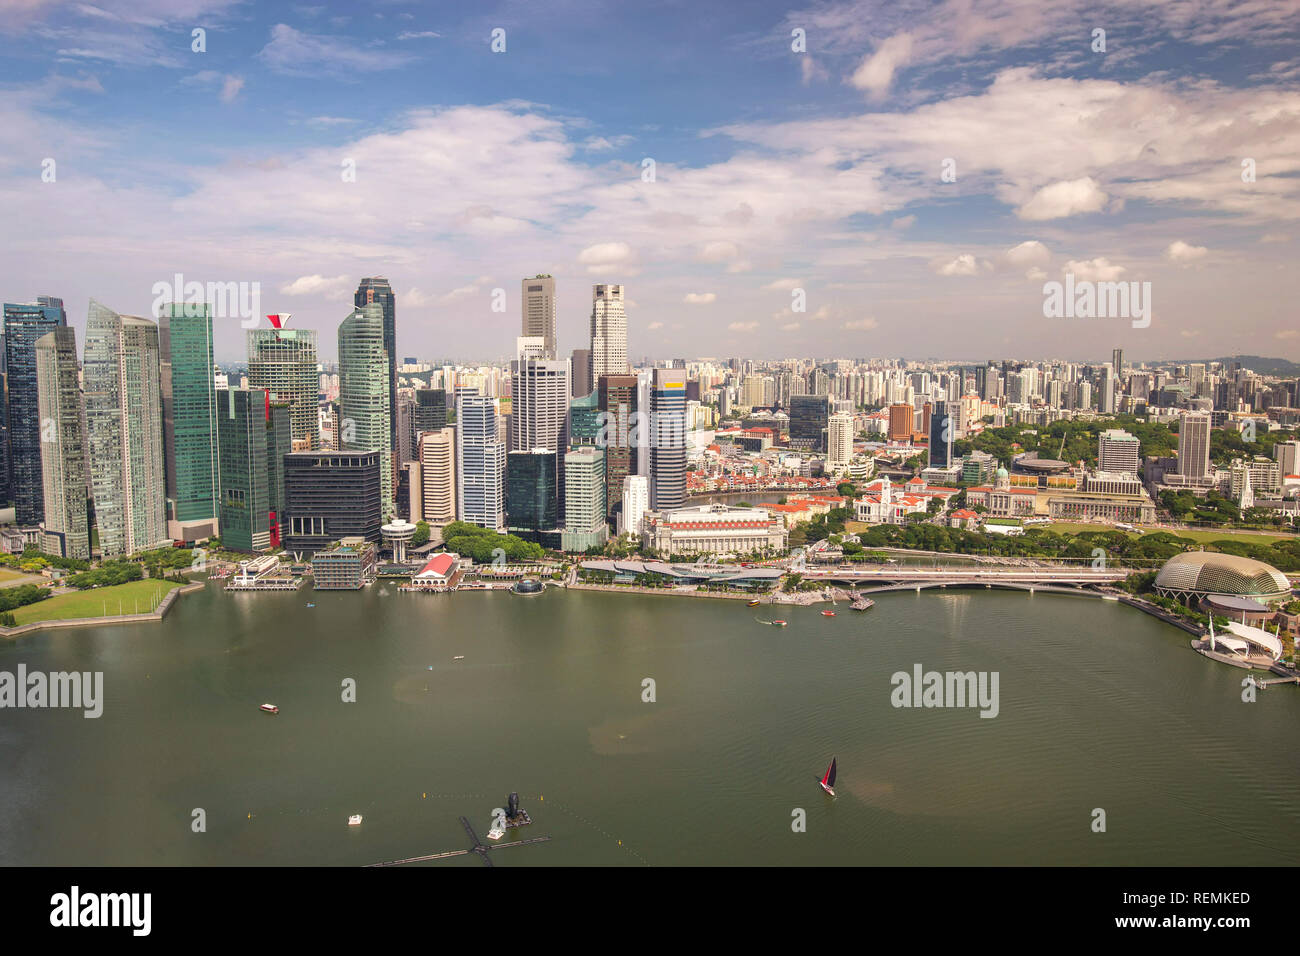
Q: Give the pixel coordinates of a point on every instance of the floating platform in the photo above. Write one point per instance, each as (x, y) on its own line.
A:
(522, 819)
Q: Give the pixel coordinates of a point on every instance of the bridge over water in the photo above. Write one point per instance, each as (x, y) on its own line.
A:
(873, 580)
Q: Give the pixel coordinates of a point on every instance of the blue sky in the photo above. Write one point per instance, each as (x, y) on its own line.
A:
(775, 170)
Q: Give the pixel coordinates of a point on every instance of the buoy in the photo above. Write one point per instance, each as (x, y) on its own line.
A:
(424, 796)
(250, 816)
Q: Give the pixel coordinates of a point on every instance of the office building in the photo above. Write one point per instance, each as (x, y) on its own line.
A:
(1118, 451)
(580, 372)
(124, 431)
(329, 495)
(480, 462)
(617, 398)
(377, 291)
(437, 493)
(279, 442)
(430, 412)
(532, 493)
(245, 497)
(364, 395)
(66, 526)
(189, 404)
(284, 362)
(636, 502)
(584, 504)
(714, 529)
(902, 418)
(809, 418)
(839, 441)
(667, 439)
(608, 333)
(941, 436)
(538, 303)
(1194, 445)
(23, 325)
(348, 565)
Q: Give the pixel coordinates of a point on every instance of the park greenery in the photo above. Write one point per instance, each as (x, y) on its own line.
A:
(21, 596)
(484, 544)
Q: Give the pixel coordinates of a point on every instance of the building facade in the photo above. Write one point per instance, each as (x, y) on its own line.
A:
(538, 319)
(244, 478)
(480, 462)
(329, 496)
(667, 427)
(585, 524)
(23, 325)
(365, 414)
(284, 362)
(66, 525)
(608, 333)
(189, 419)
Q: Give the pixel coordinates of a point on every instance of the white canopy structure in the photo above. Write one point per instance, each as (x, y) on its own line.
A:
(1254, 636)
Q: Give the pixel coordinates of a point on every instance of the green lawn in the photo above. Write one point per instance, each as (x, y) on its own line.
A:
(1200, 536)
(9, 574)
(130, 598)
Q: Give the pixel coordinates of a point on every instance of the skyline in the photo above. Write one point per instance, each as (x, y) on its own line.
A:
(773, 170)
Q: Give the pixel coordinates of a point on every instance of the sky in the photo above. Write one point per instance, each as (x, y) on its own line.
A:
(910, 173)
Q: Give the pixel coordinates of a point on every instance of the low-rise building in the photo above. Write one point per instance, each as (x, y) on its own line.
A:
(714, 529)
(347, 565)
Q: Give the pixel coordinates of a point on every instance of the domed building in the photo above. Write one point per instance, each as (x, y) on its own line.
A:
(1194, 574)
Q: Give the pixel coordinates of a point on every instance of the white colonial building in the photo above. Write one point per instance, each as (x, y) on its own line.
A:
(714, 529)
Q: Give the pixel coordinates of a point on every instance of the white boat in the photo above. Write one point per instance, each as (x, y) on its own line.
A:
(354, 820)
(270, 708)
(459, 657)
(496, 833)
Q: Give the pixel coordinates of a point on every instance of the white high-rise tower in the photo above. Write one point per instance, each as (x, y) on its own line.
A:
(608, 333)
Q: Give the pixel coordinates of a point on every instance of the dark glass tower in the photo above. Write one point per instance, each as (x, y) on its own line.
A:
(430, 410)
(532, 495)
(377, 289)
(940, 436)
(330, 495)
(245, 506)
(617, 401)
(667, 440)
(809, 418)
(23, 325)
(189, 413)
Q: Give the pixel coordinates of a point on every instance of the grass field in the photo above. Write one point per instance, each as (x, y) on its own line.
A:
(135, 597)
(9, 574)
(1199, 536)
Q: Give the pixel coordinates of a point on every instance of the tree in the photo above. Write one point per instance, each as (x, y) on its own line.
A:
(421, 535)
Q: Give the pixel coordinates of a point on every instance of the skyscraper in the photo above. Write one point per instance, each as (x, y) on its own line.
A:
(532, 495)
(1194, 445)
(839, 441)
(189, 419)
(245, 503)
(941, 435)
(430, 410)
(668, 439)
(279, 442)
(580, 363)
(538, 302)
(809, 416)
(584, 488)
(66, 528)
(1118, 451)
(617, 398)
(438, 477)
(608, 333)
(480, 462)
(539, 409)
(283, 361)
(364, 410)
(636, 501)
(23, 325)
(377, 290)
(124, 430)
(1117, 361)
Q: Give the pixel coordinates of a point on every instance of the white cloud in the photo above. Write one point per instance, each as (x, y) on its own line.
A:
(605, 257)
(876, 72)
(1062, 199)
(1100, 269)
(330, 288)
(654, 326)
(964, 265)
(861, 325)
(418, 35)
(292, 51)
(699, 298)
(742, 326)
(1182, 252)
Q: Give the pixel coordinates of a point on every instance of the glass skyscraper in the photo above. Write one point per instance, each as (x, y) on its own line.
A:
(23, 325)
(283, 361)
(245, 486)
(809, 418)
(124, 430)
(364, 410)
(63, 453)
(480, 462)
(189, 417)
(667, 439)
(377, 290)
(532, 493)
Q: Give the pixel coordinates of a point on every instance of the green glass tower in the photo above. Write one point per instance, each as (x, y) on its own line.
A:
(189, 418)
(364, 411)
(66, 528)
(245, 492)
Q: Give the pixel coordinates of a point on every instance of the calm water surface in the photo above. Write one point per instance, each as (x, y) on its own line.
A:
(1101, 706)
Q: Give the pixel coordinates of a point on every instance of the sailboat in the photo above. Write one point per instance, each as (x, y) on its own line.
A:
(828, 781)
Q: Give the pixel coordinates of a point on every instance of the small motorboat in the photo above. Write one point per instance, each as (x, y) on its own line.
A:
(354, 820)
(780, 623)
(459, 657)
(270, 708)
(754, 603)
(828, 782)
(311, 605)
(828, 613)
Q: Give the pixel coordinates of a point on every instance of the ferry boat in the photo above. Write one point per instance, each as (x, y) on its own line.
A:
(270, 708)
(354, 820)
(828, 781)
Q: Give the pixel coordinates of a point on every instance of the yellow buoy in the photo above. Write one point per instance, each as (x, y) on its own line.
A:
(424, 796)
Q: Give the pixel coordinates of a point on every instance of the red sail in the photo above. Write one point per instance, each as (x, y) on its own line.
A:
(829, 779)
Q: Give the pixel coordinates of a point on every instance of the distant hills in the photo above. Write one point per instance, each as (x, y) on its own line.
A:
(1257, 363)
